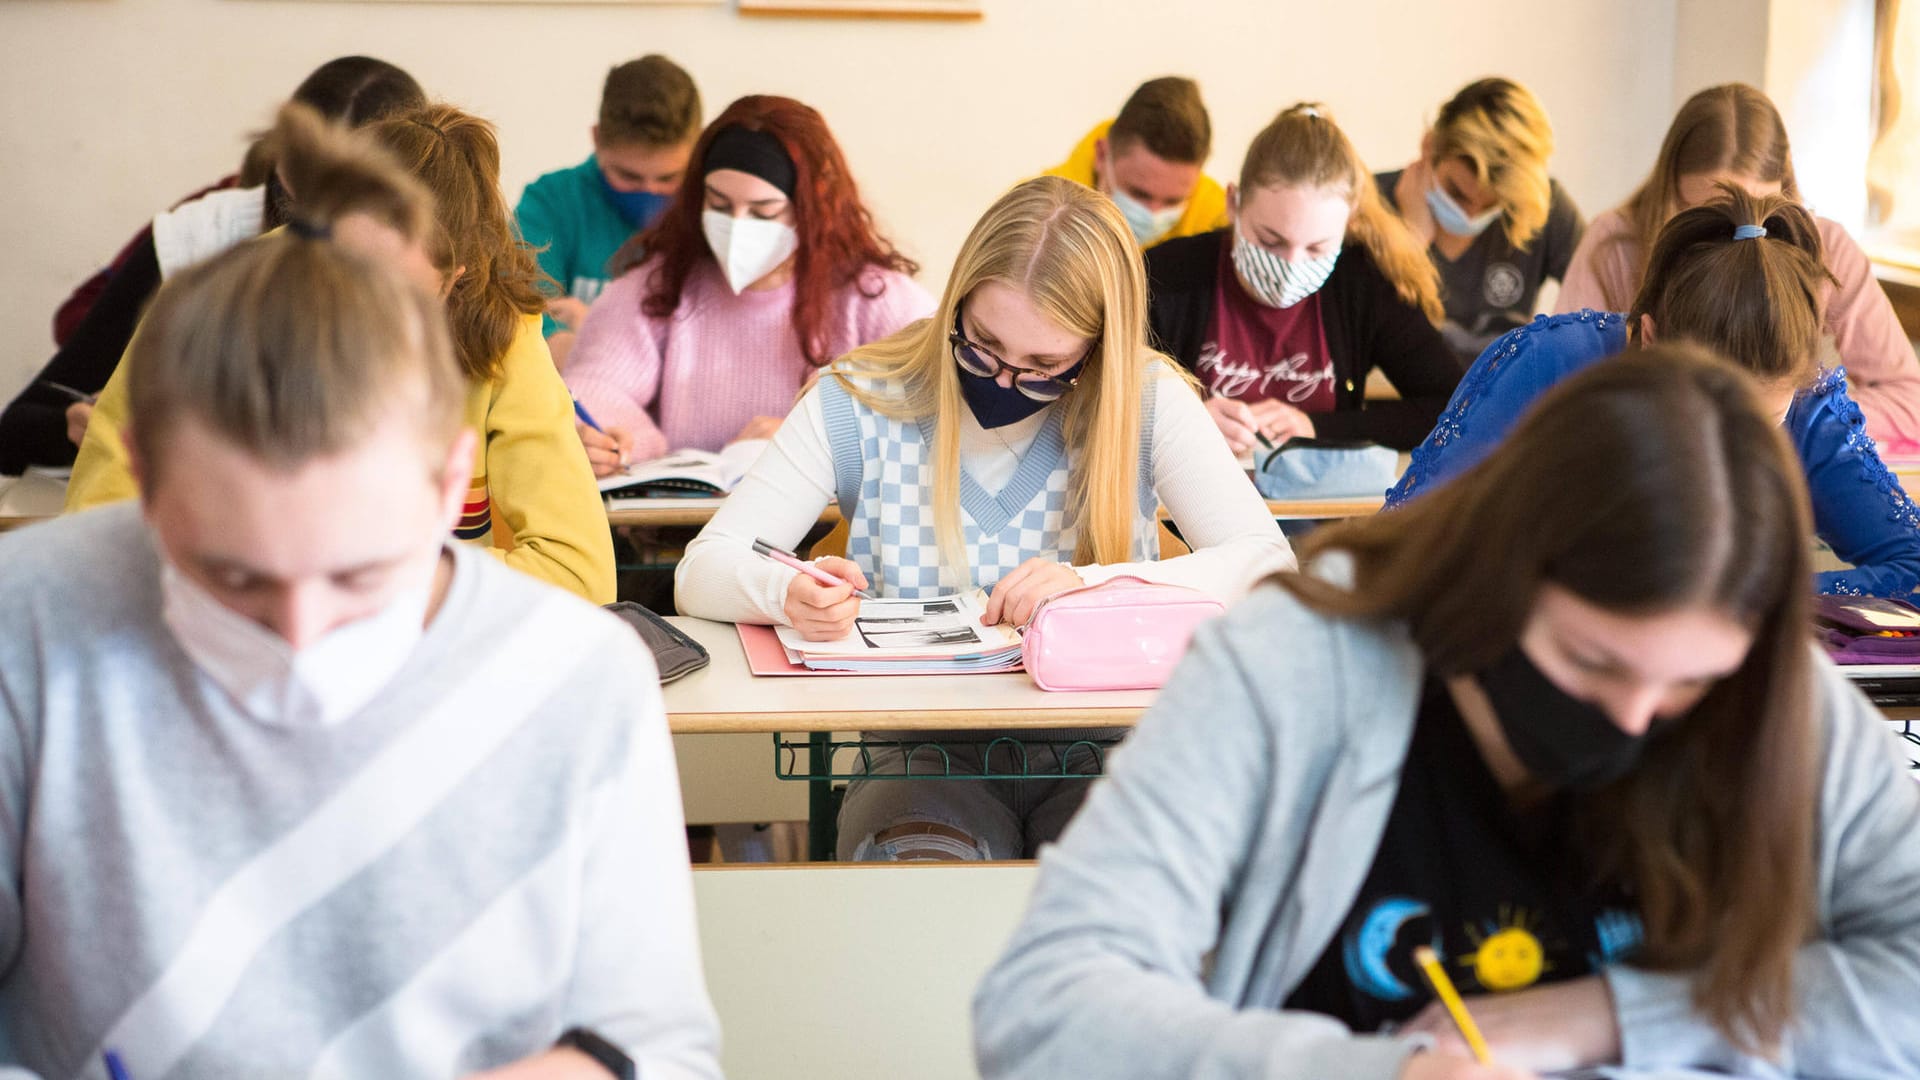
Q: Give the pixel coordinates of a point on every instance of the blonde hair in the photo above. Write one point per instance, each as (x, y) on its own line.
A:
(1499, 129)
(1068, 249)
(291, 348)
(333, 172)
(1304, 148)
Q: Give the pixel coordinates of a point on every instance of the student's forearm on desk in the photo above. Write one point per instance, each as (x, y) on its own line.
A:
(779, 500)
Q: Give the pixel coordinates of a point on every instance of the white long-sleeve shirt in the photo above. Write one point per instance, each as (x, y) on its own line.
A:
(1234, 539)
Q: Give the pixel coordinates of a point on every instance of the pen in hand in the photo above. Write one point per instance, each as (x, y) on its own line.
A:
(64, 390)
(586, 418)
(789, 559)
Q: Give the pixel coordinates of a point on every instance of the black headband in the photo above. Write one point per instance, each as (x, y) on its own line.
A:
(755, 153)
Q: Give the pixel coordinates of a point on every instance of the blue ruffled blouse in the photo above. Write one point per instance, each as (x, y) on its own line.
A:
(1859, 507)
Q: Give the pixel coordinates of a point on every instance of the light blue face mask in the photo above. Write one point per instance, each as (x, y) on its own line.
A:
(1449, 216)
(1147, 225)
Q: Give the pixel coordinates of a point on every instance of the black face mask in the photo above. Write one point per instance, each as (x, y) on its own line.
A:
(1563, 741)
(997, 406)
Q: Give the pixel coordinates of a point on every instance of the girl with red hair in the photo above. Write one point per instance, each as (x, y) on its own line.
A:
(766, 268)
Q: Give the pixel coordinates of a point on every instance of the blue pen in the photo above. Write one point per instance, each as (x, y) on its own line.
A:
(115, 1069)
(586, 417)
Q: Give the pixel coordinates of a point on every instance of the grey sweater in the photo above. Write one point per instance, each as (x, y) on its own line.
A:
(1208, 872)
(487, 855)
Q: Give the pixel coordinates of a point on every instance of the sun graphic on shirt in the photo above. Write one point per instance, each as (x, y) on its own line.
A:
(1507, 952)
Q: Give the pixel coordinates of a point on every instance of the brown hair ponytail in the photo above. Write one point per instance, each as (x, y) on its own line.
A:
(456, 155)
(1742, 274)
(1303, 147)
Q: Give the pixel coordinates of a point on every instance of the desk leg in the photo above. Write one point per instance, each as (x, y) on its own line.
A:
(823, 834)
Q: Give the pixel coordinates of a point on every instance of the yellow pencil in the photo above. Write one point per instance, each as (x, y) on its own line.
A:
(1456, 1008)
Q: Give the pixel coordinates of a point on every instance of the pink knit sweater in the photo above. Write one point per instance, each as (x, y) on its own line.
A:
(1883, 375)
(693, 380)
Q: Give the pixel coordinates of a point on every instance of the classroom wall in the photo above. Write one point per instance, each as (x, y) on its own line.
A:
(110, 109)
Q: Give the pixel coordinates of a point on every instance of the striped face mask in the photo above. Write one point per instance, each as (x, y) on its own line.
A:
(1272, 280)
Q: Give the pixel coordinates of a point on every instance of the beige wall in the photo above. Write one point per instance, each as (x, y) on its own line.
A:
(110, 109)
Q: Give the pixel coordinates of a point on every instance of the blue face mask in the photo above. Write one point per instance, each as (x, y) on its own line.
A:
(996, 406)
(637, 208)
(1449, 216)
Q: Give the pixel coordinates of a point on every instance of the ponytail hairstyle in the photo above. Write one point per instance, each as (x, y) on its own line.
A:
(1755, 297)
(1303, 147)
(1500, 131)
(1648, 484)
(496, 281)
(338, 172)
(839, 243)
(1732, 128)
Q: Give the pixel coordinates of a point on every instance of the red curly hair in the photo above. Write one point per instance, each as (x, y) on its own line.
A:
(838, 240)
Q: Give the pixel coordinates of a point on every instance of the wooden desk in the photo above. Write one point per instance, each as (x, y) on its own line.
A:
(689, 511)
(726, 697)
(31, 498)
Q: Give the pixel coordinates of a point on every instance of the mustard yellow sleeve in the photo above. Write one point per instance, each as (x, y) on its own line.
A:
(101, 473)
(1079, 164)
(1206, 210)
(537, 476)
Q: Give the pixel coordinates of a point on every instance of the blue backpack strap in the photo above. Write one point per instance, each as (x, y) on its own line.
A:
(843, 436)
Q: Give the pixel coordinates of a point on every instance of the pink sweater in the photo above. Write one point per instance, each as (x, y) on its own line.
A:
(1883, 374)
(693, 380)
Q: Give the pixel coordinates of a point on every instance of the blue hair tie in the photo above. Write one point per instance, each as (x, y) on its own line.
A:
(1749, 232)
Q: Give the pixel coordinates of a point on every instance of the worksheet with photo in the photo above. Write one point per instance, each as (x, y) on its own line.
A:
(936, 626)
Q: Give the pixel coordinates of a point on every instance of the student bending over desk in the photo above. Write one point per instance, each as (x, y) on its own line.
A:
(1741, 274)
(1020, 439)
(1605, 775)
(455, 237)
(291, 783)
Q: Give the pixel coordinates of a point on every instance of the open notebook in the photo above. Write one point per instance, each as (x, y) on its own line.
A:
(684, 473)
(936, 635)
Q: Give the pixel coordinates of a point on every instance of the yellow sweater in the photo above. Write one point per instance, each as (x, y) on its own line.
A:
(530, 472)
(1206, 207)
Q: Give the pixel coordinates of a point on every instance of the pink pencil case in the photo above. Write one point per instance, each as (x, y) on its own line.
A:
(1122, 634)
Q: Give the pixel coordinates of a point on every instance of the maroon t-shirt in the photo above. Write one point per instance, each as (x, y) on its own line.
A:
(1254, 353)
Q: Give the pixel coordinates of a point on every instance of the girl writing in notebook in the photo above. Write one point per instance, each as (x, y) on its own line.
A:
(1743, 275)
(1604, 775)
(1284, 315)
(529, 472)
(765, 268)
(1733, 134)
(1019, 440)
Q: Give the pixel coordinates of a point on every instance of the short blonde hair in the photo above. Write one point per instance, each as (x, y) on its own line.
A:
(291, 348)
(1499, 129)
(1068, 249)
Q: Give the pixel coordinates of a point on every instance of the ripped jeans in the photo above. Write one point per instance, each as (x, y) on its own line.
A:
(911, 820)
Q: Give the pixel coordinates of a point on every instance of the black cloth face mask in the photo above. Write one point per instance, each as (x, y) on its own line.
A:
(997, 406)
(1563, 741)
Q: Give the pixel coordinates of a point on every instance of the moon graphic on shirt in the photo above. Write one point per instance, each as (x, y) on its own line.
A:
(1370, 949)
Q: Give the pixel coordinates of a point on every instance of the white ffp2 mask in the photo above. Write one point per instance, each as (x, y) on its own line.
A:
(747, 248)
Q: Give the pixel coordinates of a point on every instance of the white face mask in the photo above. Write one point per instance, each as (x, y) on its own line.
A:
(1147, 225)
(270, 681)
(747, 248)
(1272, 280)
(1449, 215)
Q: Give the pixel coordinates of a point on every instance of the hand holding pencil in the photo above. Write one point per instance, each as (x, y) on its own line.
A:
(1440, 1064)
(1563, 1025)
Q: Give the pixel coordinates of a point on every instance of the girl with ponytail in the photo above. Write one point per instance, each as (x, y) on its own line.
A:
(1284, 314)
(424, 193)
(1742, 275)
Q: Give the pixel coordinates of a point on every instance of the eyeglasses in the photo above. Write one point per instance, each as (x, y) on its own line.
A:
(974, 359)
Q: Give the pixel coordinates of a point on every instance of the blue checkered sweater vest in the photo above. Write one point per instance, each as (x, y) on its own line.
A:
(883, 473)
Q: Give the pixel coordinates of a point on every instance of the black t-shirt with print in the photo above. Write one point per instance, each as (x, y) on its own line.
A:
(1493, 286)
(1498, 893)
